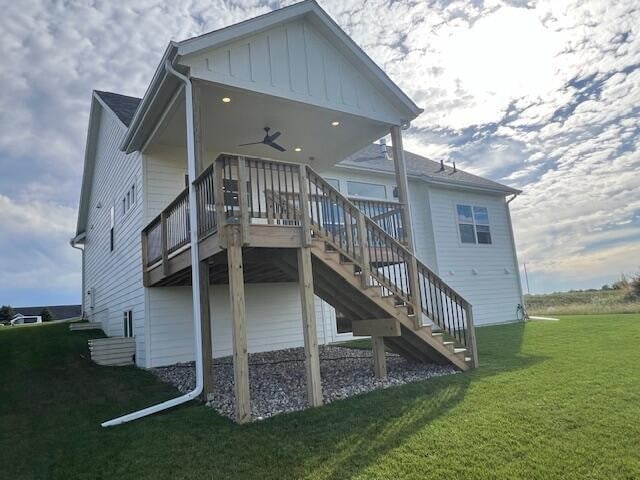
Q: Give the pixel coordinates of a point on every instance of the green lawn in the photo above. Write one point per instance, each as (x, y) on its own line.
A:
(551, 400)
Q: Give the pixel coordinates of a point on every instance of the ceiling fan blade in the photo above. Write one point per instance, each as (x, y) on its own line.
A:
(276, 146)
(252, 143)
(271, 138)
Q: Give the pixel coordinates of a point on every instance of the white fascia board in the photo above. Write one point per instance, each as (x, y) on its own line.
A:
(87, 169)
(147, 99)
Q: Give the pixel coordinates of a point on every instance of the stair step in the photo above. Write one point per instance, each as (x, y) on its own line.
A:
(468, 359)
(459, 350)
(436, 334)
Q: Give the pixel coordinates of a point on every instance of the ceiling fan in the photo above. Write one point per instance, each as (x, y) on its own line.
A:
(267, 140)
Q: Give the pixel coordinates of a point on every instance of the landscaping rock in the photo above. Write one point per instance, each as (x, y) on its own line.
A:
(278, 380)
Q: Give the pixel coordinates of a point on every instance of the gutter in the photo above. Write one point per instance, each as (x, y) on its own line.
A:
(195, 264)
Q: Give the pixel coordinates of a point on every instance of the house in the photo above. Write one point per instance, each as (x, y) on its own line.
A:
(58, 312)
(20, 319)
(242, 206)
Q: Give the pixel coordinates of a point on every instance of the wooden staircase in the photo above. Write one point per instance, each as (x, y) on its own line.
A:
(337, 281)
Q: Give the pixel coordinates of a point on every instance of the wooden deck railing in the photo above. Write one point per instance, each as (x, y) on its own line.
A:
(256, 191)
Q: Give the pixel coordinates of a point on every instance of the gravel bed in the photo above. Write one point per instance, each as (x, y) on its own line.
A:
(278, 380)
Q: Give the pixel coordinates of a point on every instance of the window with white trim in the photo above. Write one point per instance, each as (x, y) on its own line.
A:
(334, 182)
(128, 323)
(473, 224)
(112, 224)
(368, 190)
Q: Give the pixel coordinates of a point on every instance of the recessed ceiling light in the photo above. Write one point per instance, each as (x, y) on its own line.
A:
(335, 123)
(226, 99)
(298, 149)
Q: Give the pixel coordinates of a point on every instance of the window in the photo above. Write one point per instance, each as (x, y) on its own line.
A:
(369, 190)
(334, 182)
(129, 199)
(112, 224)
(128, 323)
(473, 223)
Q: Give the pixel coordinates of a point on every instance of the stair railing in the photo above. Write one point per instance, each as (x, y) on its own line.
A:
(386, 263)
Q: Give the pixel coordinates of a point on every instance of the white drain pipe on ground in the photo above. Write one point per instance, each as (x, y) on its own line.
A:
(195, 270)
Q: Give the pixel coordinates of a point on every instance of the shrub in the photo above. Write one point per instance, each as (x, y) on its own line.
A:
(46, 315)
(634, 288)
(6, 314)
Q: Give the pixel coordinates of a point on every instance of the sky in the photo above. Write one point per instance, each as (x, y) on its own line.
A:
(540, 95)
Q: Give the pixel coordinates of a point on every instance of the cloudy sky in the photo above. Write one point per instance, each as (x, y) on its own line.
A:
(543, 96)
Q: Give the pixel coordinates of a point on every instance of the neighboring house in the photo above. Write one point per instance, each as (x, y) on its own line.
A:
(58, 312)
(20, 319)
(318, 208)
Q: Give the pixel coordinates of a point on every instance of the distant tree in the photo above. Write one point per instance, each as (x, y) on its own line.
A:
(634, 287)
(606, 287)
(6, 313)
(46, 315)
(621, 284)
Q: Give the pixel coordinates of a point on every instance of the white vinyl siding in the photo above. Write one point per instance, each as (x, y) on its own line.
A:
(486, 275)
(274, 321)
(114, 278)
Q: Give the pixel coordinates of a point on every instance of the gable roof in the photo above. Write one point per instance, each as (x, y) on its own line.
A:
(163, 86)
(122, 105)
(371, 158)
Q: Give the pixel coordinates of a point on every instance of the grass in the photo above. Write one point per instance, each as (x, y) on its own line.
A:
(551, 400)
(586, 302)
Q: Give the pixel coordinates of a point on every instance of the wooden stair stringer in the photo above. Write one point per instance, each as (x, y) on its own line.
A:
(345, 271)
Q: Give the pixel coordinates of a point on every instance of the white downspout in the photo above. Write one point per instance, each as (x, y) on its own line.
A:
(195, 270)
(73, 245)
(513, 247)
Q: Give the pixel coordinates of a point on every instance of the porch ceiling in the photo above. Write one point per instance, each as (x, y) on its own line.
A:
(227, 125)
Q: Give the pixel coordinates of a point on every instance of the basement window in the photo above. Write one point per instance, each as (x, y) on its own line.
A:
(112, 222)
(128, 324)
(473, 224)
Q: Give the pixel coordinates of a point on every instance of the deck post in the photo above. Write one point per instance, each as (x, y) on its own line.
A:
(312, 355)
(237, 300)
(163, 243)
(364, 249)
(218, 199)
(471, 335)
(205, 323)
(243, 200)
(402, 183)
(305, 215)
(403, 198)
(144, 239)
(379, 358)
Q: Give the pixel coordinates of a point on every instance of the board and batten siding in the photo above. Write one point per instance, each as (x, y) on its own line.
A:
(486, 275)
(114, 278)
(274, 321)
(294, 61)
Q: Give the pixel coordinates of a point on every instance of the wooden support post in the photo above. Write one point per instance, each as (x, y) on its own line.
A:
(144, 239)
(198, 121)
(243, 200)
(240, 352)
(364, 249)
(312, 356)
(218, 198)
(163, 243)
(305, 215)
(403, 184)
(379, 358)
(205, 319)
(416, 294)
(471, 335)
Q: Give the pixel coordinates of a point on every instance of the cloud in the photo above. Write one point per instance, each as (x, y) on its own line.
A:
(542, 95)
